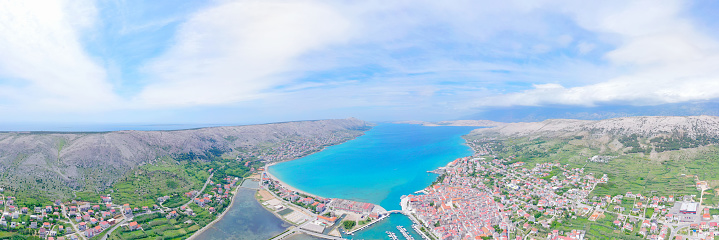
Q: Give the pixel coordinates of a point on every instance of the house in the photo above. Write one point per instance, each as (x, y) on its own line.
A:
(172, 214)
(628, 227)
(82, 226)
(133, 226)
(85, 207)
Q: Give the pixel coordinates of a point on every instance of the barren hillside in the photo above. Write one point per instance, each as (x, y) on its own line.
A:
(59, 162)
(644, 126)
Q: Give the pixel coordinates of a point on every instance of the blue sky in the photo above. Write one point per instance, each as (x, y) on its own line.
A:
(263, 61)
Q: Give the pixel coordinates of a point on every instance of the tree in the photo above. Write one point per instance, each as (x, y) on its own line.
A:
(348, 224)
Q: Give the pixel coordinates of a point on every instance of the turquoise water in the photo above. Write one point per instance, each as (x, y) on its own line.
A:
(389, 161)
(378, 231)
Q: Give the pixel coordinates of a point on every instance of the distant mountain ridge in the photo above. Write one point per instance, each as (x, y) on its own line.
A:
(644, 126)
(58, 162)
(463, 123)
(541, 113)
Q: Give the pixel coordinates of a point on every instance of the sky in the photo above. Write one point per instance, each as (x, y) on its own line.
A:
(246, 61)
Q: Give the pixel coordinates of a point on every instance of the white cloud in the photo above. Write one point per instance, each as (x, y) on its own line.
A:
(426, 54)
(585, 47)
(41, 51)
(236, 50)
(665, 59)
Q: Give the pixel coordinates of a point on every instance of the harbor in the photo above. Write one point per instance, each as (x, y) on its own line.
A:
(394, 170)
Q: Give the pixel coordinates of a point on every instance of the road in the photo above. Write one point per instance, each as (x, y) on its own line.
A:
(124, 220)
(201, 190)
(74, 227)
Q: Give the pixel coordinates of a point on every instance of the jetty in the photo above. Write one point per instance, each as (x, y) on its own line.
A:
(405, 233)
(383, 217)
(392, 235)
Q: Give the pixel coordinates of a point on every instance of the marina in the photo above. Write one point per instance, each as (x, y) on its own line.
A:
(392, 235)
(404, 233)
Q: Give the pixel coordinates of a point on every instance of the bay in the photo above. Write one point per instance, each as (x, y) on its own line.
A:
(387, 162)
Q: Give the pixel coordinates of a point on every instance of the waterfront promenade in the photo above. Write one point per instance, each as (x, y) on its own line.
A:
(298, 228)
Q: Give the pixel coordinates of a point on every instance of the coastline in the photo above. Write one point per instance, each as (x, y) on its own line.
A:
(290, 187)
(403, 210)
(221, 216)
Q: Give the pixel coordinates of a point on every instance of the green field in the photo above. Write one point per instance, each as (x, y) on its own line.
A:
(670, 173)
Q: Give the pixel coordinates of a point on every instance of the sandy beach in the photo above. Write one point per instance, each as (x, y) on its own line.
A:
(284, 184)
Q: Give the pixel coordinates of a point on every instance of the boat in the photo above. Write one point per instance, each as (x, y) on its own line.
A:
(405, 233)
(392, 235)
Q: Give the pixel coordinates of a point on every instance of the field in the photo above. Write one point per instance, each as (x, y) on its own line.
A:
(666, 173)
(158, 227)
(143, 186)
(603, 228)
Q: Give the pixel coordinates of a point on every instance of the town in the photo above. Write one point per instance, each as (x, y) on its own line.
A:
(314, 215)
(486, 197)
(89, 220)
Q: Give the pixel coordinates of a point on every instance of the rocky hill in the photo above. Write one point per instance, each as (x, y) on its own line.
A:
(59, 162)
(643, 126)
(646, 135)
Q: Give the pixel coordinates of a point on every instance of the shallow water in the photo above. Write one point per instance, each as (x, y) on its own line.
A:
(246, 220)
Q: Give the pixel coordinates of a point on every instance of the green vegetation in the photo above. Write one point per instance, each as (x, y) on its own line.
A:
(171, 177)
(347, 224)
(175, 201)
(143, 186)
(156, 226)
(627, 172)
(649, 213)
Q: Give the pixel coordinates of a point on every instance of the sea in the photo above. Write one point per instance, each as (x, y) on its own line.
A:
(379, 167)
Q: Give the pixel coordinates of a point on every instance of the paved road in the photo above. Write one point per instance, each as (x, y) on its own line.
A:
(200, 192)
(104, 237)
(74, 227)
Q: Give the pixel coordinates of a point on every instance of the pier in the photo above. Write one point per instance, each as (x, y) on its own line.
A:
(376, 221)
(405, 233)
